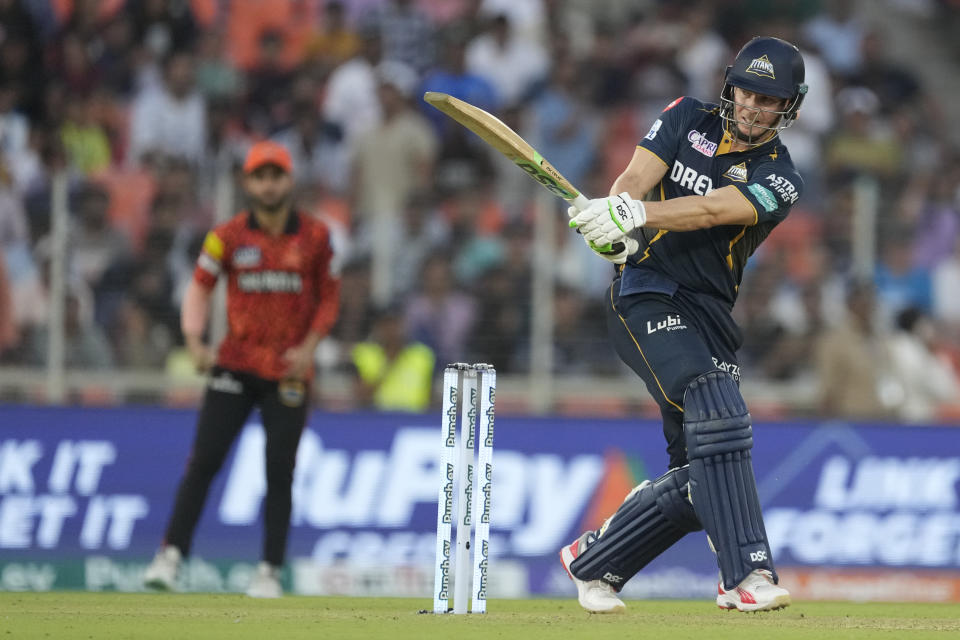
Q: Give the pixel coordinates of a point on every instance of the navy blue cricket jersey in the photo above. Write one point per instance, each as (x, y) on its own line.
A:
(689, 138)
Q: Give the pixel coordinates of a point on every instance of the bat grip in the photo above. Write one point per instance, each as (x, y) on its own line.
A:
(581, 202)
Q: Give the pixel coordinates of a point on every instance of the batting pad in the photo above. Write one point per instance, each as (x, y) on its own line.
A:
(722, 486)
(651, 519)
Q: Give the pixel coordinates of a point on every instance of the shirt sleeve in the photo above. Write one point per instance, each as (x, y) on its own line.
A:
(212, 258)
(663, 139)
(772, 189)
(328, 291)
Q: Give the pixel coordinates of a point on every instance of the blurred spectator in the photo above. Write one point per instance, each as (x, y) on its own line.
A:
(565, 128)
(938, 224)
(439, 315)
(216, 75)
(14, 126)
(86, 345)
(354, 322)
(9, 333)
(511, 63)
(452, 76)
(351, 98)
(424, 233)
(501, 318)
(394, 373)
(86, 143)
(335, 42)
(946, 285)
(170, 119)
(854, 369)
(73, 67)
(838, 34)
(17, 71)
(268, 91)
(116, 63)
(927, 380)
(892, 83)
(405, 31)
(317, 148)
(94, 244)
(702, 56)
(863, 143)
(527, 17)
(900, 283)
(225, 147)
(163, 26)
(139, 342)
(391, 162)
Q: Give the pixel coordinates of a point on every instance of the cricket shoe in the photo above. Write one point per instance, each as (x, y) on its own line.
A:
(265, 582)
(756, 592)
(162, 572)
(596, 596)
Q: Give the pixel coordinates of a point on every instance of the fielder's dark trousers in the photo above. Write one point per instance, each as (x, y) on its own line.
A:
(668, 341)
(227, 403)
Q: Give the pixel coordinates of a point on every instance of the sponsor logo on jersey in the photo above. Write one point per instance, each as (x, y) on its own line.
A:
(737, 172)
(767, 199)
(270, 282)
(762, 67)
(689, 178)
(245, 257)
(672, 323)
(653, 130)
(784, 188)
(699, 142)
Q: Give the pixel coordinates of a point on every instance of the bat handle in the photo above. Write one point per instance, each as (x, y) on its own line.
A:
(581, 202)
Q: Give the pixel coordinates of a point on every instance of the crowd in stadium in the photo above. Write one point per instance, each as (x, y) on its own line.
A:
(147, 104)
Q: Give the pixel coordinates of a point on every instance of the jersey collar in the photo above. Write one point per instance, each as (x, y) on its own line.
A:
(726, 143)
(291, 228)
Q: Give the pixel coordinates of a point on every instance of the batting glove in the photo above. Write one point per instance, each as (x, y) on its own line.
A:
(608, 220)
(609, 253)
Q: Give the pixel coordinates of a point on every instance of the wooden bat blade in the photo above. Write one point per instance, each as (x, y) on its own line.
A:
(505, 140)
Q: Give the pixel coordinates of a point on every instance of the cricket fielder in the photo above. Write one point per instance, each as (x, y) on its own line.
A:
(722, 181)
(281, 300)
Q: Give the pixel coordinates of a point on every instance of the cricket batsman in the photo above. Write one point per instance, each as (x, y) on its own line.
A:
(721, 180)
(281, 300)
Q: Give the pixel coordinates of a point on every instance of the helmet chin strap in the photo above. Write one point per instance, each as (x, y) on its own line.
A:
(739, 136)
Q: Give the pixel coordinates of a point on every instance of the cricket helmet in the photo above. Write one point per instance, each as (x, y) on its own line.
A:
(769, 66)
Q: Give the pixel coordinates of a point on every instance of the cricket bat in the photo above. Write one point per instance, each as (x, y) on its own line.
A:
(505, 140)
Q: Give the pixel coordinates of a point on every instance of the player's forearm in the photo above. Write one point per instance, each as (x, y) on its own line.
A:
(329, 308)
(195, 310)
(683, 214)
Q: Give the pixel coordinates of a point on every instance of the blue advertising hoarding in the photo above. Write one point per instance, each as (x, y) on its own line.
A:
(85, 493)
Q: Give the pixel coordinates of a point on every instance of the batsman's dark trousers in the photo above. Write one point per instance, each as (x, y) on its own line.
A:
(229, 398)
(669, 340)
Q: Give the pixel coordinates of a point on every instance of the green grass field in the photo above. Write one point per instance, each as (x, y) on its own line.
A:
(117, 616)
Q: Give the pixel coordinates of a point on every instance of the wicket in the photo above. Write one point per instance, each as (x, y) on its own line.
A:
(468, 447)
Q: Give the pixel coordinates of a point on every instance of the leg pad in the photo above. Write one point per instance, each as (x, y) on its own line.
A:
(722, 486)
(651, 519)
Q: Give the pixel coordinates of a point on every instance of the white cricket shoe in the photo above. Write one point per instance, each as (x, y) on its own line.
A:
(596, 596)
(265, 582)
(756, 592)
(162, 572)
